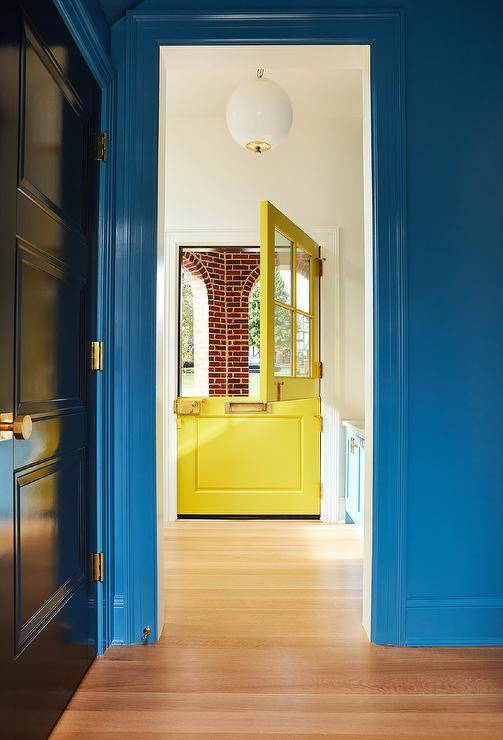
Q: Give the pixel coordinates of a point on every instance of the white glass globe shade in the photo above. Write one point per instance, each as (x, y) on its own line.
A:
(259, 114)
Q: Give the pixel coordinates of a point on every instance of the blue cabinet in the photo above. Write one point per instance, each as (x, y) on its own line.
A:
(355, 467)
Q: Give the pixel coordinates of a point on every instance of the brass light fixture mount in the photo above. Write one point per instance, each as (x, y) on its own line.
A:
(258, 147)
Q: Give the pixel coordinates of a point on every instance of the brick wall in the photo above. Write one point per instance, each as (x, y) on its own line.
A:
(229, 275)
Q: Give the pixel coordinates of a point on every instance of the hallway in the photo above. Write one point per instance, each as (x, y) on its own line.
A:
(263, 639)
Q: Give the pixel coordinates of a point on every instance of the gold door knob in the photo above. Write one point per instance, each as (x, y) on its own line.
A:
(21, 427)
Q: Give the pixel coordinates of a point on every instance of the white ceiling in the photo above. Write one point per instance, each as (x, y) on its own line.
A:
(322, 81)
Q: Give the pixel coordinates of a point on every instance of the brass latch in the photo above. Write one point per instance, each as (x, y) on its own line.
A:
(97, 570)
(186, 407)
(317, 369)
(96, 355)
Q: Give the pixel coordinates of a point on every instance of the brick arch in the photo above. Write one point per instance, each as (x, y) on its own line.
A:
(242, 272)
(229, 275)
(194, 265)
(201, 289)
(250, 283)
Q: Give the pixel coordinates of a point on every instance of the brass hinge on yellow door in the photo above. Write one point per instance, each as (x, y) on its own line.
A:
(318, 369)
(321, 490)
(100, 154)
(318, 262)
(96, 355)
(320, 419)
(97, 569)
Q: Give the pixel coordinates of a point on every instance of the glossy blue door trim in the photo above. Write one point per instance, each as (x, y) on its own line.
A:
(135, 51)
(80, 25)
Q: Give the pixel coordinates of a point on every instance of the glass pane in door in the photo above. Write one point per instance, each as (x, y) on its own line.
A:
(282, 269)
(303, 280)
(303, 358)
(282, 341)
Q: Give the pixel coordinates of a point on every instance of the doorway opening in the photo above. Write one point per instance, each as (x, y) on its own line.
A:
(210, 190)
(219, 321)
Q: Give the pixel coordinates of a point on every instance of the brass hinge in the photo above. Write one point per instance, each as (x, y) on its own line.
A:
(96, 355)
(320, 419)
(97, 568)
(100, 154)
(321, 490)
(319, 266)
(318, 370)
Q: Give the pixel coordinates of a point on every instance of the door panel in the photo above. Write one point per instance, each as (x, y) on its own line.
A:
(53, 133)
(289, 309)
(50, 235)
(250, 463)
(50, 320)
(48, 526)
(47, 253)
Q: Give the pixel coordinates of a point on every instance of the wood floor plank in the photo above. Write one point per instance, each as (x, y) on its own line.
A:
(263, 639)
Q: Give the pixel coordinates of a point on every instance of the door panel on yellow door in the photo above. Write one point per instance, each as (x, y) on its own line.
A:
(256, 464)
(274, 441)
(289, 309)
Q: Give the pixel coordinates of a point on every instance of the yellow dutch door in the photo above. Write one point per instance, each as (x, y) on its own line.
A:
(245, 455)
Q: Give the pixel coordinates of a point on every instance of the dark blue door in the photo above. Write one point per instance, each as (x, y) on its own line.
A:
(48, 109)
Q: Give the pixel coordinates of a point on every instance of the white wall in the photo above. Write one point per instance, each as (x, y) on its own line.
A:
(314, 176)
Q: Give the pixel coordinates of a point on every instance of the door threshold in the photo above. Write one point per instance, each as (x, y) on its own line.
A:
(249, 516)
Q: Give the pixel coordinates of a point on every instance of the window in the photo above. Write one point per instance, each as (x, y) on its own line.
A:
(292, 309)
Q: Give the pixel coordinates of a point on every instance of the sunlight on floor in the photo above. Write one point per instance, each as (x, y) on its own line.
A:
(263, 639)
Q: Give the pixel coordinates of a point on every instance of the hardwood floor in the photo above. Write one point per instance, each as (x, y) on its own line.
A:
(263, 639)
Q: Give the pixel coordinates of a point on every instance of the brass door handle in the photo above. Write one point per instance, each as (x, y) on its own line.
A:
(20, 427)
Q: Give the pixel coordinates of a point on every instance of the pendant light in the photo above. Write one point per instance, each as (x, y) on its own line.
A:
(259, 114)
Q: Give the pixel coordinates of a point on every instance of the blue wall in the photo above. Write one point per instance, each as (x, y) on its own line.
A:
(455, 263)
(454, 119)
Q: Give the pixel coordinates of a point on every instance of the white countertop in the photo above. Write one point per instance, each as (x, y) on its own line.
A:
(357, 427)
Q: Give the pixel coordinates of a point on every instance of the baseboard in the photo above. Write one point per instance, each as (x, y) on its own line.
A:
(118, 621)
(455, 622)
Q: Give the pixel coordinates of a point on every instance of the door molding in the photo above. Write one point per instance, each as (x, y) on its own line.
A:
(330, 348)
(136, 42)
(82, 28)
